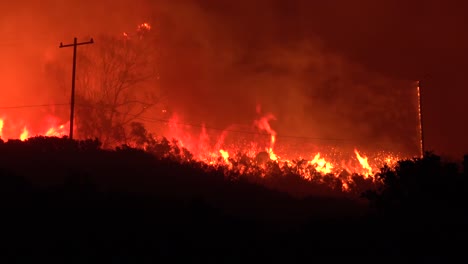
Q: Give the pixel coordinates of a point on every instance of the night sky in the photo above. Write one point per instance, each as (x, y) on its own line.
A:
(231, 53)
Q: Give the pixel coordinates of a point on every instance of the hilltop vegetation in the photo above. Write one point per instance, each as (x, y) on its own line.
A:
(75, 200)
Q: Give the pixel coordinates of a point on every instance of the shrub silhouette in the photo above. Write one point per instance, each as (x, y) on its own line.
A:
(76, 200)
(423, 201)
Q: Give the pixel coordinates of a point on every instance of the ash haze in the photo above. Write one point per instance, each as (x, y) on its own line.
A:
(332, 70)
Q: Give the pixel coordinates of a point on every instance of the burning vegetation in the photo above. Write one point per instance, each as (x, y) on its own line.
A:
(234, 130)
(121, 101)
(239, 157)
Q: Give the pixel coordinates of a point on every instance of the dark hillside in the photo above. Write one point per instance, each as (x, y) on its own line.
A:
(75, 202)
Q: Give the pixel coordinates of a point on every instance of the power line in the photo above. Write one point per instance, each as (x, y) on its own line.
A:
(32, 106)
(147, 119)
(8, 44)
(158, 120)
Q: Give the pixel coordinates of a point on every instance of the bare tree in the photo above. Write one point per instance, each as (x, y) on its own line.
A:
(118, 82)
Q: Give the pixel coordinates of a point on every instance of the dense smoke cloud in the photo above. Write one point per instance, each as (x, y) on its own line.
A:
(31, 32)
(219, 60)
(223, 65)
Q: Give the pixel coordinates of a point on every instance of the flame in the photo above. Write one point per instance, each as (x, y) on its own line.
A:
(24, 135)
(216, 150)
(1, 127)
(365, 165)
(345, 187)
(225, 155)
(264, 124)
(49, 128)
(321, 165)
(272, 155)
(56, 131)
(145, 26)
(219, 149)
(140, 30)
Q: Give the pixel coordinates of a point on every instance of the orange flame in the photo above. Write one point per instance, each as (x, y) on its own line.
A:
(345, 187)
(225, 155)
(56, 131)
(321, 165)
(24, 135)
(1, 127)
(264, 124)
(365, 165)
(48, 128)
(220, 150)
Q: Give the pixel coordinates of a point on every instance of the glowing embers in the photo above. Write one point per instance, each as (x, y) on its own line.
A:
(241, 154)
(144, 26)
(247, 155)
(141, 29)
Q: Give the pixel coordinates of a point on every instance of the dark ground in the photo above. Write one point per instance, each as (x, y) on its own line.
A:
(75, 203)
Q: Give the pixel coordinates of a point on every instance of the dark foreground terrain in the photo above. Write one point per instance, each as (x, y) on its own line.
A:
(72, 202)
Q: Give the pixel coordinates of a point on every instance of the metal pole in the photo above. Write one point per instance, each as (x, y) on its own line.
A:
(421, 132)
(72, 101)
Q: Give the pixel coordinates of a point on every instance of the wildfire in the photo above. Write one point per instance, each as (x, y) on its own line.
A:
(264, 124)
(365, 165)
(225, 155)
(321, 165)
(49, 128)
(218, 150)
(1, 127)
(56, 131)
(144, 26)
(24, 135)
(141, 29)
(214, 149)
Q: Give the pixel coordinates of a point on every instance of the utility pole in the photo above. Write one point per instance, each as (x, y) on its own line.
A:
(421, 134)
(72, 110)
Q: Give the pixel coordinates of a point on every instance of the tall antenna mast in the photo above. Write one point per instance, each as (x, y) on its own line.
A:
(421, 132)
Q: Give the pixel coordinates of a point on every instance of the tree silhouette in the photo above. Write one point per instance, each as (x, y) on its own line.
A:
(118, 82)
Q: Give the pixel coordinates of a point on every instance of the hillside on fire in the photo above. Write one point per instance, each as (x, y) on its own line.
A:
(232, 131)
(65, 200)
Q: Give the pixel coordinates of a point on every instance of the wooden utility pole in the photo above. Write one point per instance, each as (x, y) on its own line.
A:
(72, 110)
(421, 131)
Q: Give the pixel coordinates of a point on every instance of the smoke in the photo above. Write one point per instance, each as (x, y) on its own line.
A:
(219, 60)
(31, 62)
(223, 60)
